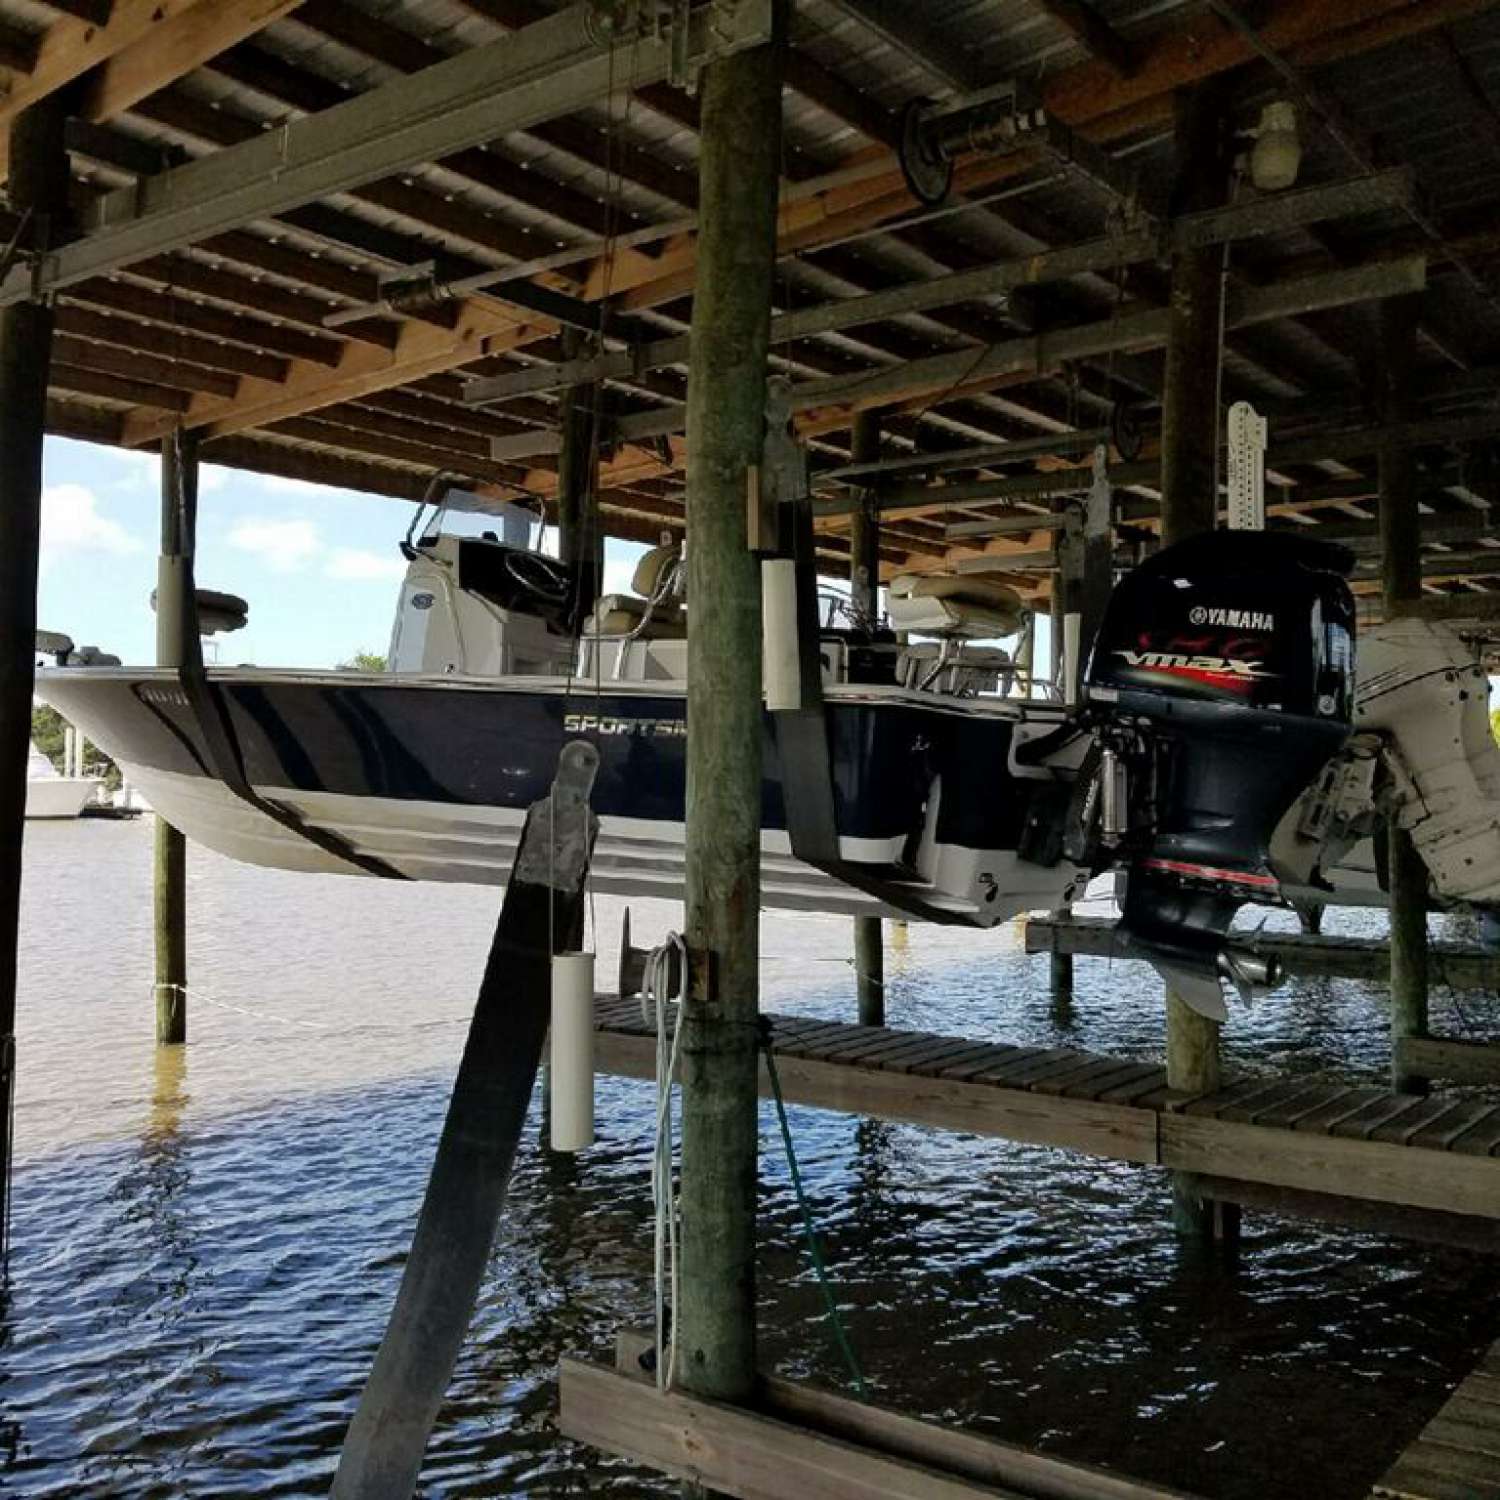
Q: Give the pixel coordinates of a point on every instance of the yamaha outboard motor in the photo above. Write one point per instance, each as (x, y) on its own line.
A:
(1220, 683)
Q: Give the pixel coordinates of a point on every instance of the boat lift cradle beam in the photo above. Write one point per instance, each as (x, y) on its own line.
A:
(1293, 210)
(970, 366)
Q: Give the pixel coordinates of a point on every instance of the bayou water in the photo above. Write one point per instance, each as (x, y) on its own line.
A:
(207, 1240)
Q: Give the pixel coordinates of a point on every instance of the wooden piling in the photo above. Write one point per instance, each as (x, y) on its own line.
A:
(1401, 582)
(179, 527)
(38, 191)
(578, 483)
(1407, 877)
(738, 175)
(1189, 503)
(1059, 964)
(864, 579)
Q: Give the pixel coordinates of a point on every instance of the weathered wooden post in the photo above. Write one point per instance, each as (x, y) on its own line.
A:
(1401, 581)
(38, 192)
(1059, 964)
(1189, 504)
(738, 169)
(174, 572)
(578, 482)
(864, 580)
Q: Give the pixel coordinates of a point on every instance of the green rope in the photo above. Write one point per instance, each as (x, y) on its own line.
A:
(814, 1249)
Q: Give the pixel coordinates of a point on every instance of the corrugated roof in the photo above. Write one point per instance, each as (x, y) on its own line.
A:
(1419, 83)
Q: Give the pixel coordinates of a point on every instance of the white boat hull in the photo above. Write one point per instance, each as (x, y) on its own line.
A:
(60, 796)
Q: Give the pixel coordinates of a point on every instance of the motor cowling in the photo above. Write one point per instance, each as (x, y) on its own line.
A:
(1220, 683)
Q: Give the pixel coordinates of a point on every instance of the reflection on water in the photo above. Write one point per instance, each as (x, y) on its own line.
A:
(208, 1239)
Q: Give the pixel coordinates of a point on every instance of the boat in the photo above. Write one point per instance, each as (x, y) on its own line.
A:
(1423, 754)
(927, 780)
(51, 795)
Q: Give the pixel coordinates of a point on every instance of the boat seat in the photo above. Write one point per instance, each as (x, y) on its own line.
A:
(960, 670)
(654, 610)
(218, 613)
(958, 608)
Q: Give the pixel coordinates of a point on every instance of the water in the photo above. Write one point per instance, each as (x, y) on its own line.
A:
(207, 1242)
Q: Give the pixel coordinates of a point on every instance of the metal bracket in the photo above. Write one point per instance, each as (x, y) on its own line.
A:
(1003, 118)
(560, 858)
(617, 22)
(781, 477)
(1247, 468)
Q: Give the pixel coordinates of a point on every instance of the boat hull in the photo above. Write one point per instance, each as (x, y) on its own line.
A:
(432, 777)
(60, 796)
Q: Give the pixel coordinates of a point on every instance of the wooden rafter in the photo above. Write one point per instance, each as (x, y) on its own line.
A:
(141, 47)
(1093, 33)
(1108, 104)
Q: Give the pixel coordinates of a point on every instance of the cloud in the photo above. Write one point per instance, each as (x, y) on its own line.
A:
(360, 564)
(284, 546)
(71, 522)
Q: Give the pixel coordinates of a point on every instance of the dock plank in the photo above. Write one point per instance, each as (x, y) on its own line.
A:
(1428, 1114)
(1360, 1146)
(1380, 1112)
(1448, 1133)
(1458, 1451)
(1311, 1096)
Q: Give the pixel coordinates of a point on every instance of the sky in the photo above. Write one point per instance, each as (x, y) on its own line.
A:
(319, 566)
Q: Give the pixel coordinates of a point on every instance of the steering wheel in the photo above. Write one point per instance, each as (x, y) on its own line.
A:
(543, 576)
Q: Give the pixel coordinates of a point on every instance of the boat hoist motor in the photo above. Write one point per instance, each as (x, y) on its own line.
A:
(1220, 683)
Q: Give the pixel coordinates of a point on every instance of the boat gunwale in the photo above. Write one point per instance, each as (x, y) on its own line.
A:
(581, 688)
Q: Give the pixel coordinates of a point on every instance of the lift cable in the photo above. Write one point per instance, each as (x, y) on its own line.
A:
(810, 1230)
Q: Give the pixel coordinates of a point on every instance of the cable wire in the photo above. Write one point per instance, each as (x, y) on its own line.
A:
(809, 1228)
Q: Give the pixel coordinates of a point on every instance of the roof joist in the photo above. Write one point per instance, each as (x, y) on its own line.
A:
(549, 69)
(140, 47)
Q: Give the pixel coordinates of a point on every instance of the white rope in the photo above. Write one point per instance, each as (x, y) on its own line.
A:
(656, 994)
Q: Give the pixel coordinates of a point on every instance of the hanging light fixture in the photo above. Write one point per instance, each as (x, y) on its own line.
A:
(1277, 155)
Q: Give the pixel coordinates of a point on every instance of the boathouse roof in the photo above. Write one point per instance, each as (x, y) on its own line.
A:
(308, 308)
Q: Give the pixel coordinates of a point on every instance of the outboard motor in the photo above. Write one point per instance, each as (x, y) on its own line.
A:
(1220, 683)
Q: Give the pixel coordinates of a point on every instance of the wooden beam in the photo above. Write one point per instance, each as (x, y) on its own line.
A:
(421, 349)
(1448, 1181)
(1117, 1132)
(1083, 96)
(189, 315)
(549, 69)
(169, 51)
(831, 1446)
(1093, 33)
(128, 333)
(18, 49)
(1456, 1061)
(929, 43)
(133, 50)
(133, 364)
(830, 403)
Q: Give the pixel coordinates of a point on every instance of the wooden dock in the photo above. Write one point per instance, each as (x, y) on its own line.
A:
(1457, 1454)
(1430, 1165)
(1461, 966)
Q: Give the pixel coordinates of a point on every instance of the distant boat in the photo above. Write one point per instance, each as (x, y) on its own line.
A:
(49, 795)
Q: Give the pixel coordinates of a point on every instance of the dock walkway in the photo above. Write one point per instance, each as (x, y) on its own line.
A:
(1457, 1454)
(1439, 1155)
